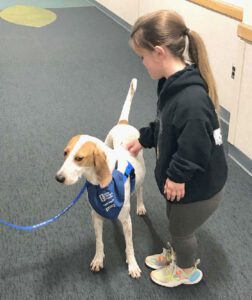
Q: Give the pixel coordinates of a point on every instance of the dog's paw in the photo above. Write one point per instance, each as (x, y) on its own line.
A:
(134, 270)
(96, 264)
(141, 210)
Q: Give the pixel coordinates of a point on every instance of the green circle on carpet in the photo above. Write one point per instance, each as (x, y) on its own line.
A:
(28, 15)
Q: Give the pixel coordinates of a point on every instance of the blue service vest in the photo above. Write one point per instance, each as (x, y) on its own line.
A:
(109, 200)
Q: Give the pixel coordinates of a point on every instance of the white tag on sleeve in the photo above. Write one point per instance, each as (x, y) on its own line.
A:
(217, 137)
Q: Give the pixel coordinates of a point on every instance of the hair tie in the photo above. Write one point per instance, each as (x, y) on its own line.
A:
(186, 31)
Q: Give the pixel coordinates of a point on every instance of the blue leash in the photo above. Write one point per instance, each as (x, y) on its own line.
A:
(42, 224)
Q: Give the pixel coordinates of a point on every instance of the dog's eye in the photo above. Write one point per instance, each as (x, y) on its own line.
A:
(65, 153)
(79, 158)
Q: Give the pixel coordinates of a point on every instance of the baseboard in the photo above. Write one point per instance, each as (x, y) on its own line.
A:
(110, 14)
(240, 158)
(234, 153)
(224, 115)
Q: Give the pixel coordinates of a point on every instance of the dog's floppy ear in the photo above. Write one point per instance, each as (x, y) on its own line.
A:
(95, 157)
(103, 173)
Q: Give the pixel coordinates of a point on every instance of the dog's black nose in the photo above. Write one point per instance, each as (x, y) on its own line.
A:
(60, 178)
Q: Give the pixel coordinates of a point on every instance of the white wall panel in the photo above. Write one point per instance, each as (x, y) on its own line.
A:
(243, 128)
(128, 10)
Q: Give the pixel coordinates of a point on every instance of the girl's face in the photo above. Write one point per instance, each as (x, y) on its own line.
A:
(151, 61)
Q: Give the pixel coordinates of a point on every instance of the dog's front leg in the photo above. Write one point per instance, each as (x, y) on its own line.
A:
(97, 262)
(133, 268)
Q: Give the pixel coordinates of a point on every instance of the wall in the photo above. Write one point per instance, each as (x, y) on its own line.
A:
(128, 10)
(240, 128)
(225, 50)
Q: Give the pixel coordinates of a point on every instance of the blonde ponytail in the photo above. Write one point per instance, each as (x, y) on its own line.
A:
(198, 55)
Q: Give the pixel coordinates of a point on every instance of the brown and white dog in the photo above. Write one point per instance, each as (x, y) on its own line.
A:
(95, 160)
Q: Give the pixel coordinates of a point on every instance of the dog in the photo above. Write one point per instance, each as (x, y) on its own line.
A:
(96, 160)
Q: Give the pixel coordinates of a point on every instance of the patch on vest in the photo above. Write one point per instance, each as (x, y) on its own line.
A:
(217, 137)
(108, 201)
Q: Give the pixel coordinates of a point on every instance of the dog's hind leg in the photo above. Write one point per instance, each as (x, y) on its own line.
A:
(97, 262)
(133, 268)
(141, 210)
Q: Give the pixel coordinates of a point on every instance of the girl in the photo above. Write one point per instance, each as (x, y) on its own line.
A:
(191, 169)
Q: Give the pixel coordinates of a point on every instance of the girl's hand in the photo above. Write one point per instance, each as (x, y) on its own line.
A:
(174, 190)
(134, 147)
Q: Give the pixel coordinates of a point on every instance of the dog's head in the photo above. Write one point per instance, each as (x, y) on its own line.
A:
(84, 157)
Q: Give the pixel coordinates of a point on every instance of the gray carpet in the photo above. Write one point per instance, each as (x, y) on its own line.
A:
(72, 77)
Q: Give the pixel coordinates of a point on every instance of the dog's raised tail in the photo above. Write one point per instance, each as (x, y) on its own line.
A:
(124, 117)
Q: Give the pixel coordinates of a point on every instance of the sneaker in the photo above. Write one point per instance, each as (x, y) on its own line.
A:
(161, 260)
(172, 275)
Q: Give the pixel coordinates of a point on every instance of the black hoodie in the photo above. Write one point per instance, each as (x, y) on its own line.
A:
(187, 137)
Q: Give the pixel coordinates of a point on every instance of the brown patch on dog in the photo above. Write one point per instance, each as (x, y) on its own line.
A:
(93, 156)
(123, 122)
(71, 145)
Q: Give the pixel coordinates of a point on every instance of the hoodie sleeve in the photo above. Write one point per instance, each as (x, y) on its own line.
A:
(146, 138)
(194, 146)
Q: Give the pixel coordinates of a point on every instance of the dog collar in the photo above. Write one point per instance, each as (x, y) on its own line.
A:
(108, 201)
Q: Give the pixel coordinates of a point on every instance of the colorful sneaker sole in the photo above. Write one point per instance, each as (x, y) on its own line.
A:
(196, 278)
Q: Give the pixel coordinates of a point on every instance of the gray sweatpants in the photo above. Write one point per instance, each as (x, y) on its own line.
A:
(184, 219)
